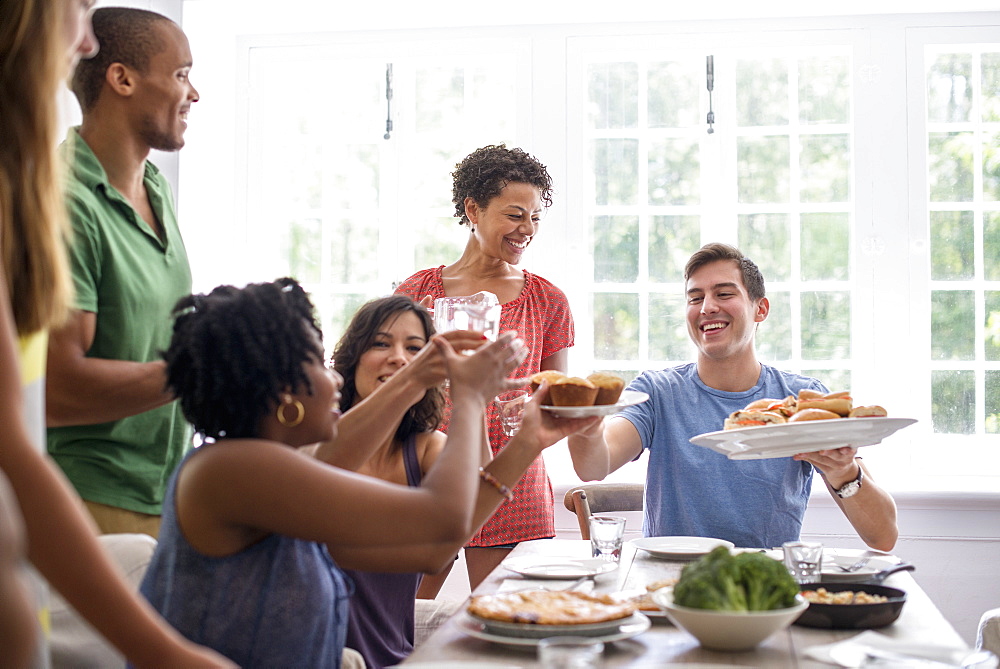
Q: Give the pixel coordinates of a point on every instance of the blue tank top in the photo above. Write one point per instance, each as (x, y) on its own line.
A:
(382, 607)
(279, 603)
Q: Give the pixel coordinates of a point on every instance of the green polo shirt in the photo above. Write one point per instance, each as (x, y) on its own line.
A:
(131, 280)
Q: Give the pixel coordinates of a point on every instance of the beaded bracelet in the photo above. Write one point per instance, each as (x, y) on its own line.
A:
(495, 482)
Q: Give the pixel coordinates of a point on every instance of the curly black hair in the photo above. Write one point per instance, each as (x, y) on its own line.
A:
(424, 416)
(235, 350)
(484, 173)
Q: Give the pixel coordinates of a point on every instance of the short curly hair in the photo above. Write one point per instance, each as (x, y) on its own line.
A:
(235, 350)
(424, 416)
(484, 173)
(126, 35)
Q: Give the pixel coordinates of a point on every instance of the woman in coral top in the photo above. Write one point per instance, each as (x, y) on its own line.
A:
(500, 195)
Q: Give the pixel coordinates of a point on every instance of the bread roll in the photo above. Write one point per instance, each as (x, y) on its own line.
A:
(870, 411)
(740, 419)
(812, 414)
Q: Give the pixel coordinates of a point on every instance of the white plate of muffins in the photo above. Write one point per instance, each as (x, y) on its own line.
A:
(600, 394)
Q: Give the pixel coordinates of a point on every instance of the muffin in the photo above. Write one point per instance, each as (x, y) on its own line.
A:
(550, 375)
(572, 391)
(609, 387)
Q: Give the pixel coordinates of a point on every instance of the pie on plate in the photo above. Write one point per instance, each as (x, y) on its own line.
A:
(544, 607)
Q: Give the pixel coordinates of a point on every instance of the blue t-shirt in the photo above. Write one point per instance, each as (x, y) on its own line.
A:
(281, 602)
(695, 491)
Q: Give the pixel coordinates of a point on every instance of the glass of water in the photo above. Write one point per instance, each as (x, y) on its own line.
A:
(606, 536)
(804, 560)
(472, 312)
(510, 406)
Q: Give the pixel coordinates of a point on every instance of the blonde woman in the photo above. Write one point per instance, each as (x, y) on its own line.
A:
(40, 40)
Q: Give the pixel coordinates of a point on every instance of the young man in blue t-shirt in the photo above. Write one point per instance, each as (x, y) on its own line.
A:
(694, 491)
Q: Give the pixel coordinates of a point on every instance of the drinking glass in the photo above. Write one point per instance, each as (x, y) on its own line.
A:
(569, 652)
(472, 312)
(510, 406)
(606, 536)
(804, 560)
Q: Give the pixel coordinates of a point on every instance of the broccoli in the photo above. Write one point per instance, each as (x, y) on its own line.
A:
(745, 582)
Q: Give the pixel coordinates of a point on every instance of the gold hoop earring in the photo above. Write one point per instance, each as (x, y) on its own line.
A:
(300, 411)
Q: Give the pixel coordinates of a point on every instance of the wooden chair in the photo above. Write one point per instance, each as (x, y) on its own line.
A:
(590, 498)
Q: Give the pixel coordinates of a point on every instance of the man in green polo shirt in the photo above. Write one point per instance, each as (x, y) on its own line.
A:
(113, 428)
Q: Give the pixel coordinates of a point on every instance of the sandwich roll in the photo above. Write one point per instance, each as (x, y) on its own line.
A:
(812, 414)
(839, 403)
(740, 419)
(761, 405)
(870, 411)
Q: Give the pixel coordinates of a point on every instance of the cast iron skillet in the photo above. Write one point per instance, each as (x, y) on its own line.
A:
(856, 616)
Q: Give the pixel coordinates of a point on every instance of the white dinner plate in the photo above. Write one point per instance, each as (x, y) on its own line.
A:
(536, 631)
(625, 629)
(679, 548)
(787, 439)
(627, 399)
(834, 558)
(537, 566)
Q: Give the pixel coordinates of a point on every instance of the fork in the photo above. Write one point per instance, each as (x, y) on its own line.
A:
(860, 564)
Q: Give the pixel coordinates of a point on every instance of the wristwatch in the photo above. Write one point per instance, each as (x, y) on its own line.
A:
(851, 488)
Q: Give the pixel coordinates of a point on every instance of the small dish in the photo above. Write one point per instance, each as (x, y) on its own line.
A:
(534, 566)
(853, 616)
(627, 399)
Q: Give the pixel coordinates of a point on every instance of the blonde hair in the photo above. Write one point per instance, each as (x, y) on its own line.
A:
(33, 221)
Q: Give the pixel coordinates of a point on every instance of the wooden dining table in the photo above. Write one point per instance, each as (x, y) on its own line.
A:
(920, 622)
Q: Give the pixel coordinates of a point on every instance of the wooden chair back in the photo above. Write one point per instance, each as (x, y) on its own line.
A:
(590, 498)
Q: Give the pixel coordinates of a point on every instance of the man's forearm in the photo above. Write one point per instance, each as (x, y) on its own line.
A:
(98, 390)
(590, 456)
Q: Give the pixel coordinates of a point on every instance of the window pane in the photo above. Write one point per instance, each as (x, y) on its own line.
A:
(825, 89)
(992, 401)
(668, 338)
(616, 171)
(765, 239)
(991, 168)
(824, 168)
(991, 245)
(762, 169)
(952, 245)
(953, 325)
(834, 379)
(343, 306)
(444, 241)
(949, 89)
(616, 326)
(774, 335)
(953, 401)
(761, 92)
(356, 260)
(304, 256)
(673, 172)
(826, 325)
(991, 87)
(616, 248)
(673, 95)
(949, 166)
(991, 334)
(613, 95)
(441, 98)
(672, 240)
(825, 247)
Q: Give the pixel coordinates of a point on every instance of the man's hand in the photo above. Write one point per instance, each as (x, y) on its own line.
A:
(837, 465)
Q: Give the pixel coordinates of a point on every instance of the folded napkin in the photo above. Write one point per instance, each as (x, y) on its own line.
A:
(518, 584)
(873, 649)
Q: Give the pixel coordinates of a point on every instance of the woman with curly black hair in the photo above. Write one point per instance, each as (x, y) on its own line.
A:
(500, 195)
(255, 533)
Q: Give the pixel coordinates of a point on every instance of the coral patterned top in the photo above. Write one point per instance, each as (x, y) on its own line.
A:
(542, 318)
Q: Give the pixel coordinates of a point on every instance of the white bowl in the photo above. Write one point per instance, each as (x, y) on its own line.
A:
(728, 630)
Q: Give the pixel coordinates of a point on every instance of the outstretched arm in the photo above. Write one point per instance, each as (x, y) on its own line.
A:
(538, 431)
(367, 425)
(62, 542)
(604, 448)
(871, 510)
